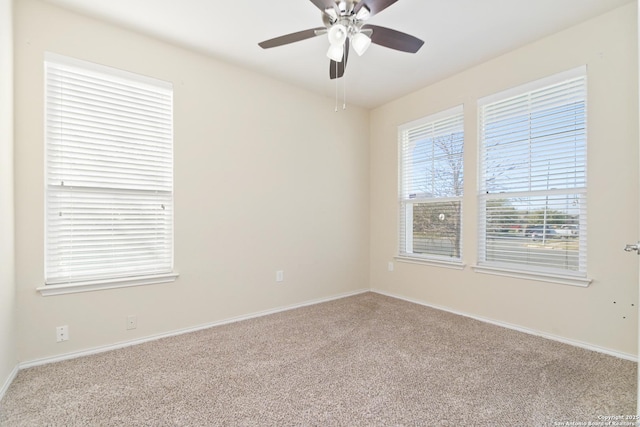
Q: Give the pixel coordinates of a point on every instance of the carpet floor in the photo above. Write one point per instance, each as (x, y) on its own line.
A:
(366, 360)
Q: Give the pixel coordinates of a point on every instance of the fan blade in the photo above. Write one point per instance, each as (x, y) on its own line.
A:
(325, 4)
(336, 69)
(291, 38)
(374, 6)
(394, 39)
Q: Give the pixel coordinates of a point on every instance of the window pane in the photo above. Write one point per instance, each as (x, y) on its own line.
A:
(536, 231)
(536, 151)
(436, 167)
(106, 234)
(436, 228)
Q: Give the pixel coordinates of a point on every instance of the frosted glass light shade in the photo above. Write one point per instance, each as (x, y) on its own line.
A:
(337, 34)
(335, 52)
(360, 43)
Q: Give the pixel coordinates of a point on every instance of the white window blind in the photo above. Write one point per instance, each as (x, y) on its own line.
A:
(109, 173)
(533, 185)
(431, 178)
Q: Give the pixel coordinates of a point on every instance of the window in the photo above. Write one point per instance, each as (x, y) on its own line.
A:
(431, 177)
(109, 174)
(533, 187)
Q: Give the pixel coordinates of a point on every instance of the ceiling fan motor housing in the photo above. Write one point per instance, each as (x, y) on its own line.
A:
(345, 13)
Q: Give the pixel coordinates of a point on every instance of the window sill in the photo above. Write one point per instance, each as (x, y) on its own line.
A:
(456, 265)
(98, 285)
(573, 280)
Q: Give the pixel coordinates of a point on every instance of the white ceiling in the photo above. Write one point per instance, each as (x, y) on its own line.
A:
(457, 33)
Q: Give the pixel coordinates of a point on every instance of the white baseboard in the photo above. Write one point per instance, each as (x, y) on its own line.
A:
(102, 349)
(518, 328)
(8, 381)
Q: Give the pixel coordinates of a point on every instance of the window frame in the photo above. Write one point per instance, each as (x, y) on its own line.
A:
(57, 279)
(405, 217)
(522, 270)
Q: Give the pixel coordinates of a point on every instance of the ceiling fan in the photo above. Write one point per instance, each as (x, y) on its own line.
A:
(344, 23)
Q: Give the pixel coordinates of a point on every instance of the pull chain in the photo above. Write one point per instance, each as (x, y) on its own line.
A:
(344, 88)
(336, 79)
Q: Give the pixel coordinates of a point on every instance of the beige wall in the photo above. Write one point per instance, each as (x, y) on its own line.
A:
(608, 45)
(8, 355)
(267, 177)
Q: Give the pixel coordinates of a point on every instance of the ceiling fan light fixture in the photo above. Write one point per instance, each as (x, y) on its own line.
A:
(337, 34)
(336, 52)
(360, 43)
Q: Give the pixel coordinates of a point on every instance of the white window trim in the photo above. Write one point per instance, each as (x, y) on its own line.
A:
(93, 67)
(97, 285)
(427, 259)
(508, 270)
(569, 279)
(62, 288)
(532, 86)
(432, 262)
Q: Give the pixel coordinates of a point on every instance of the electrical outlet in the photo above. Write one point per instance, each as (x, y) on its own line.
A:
(62, 333)
(132, 321)
(279, 276)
